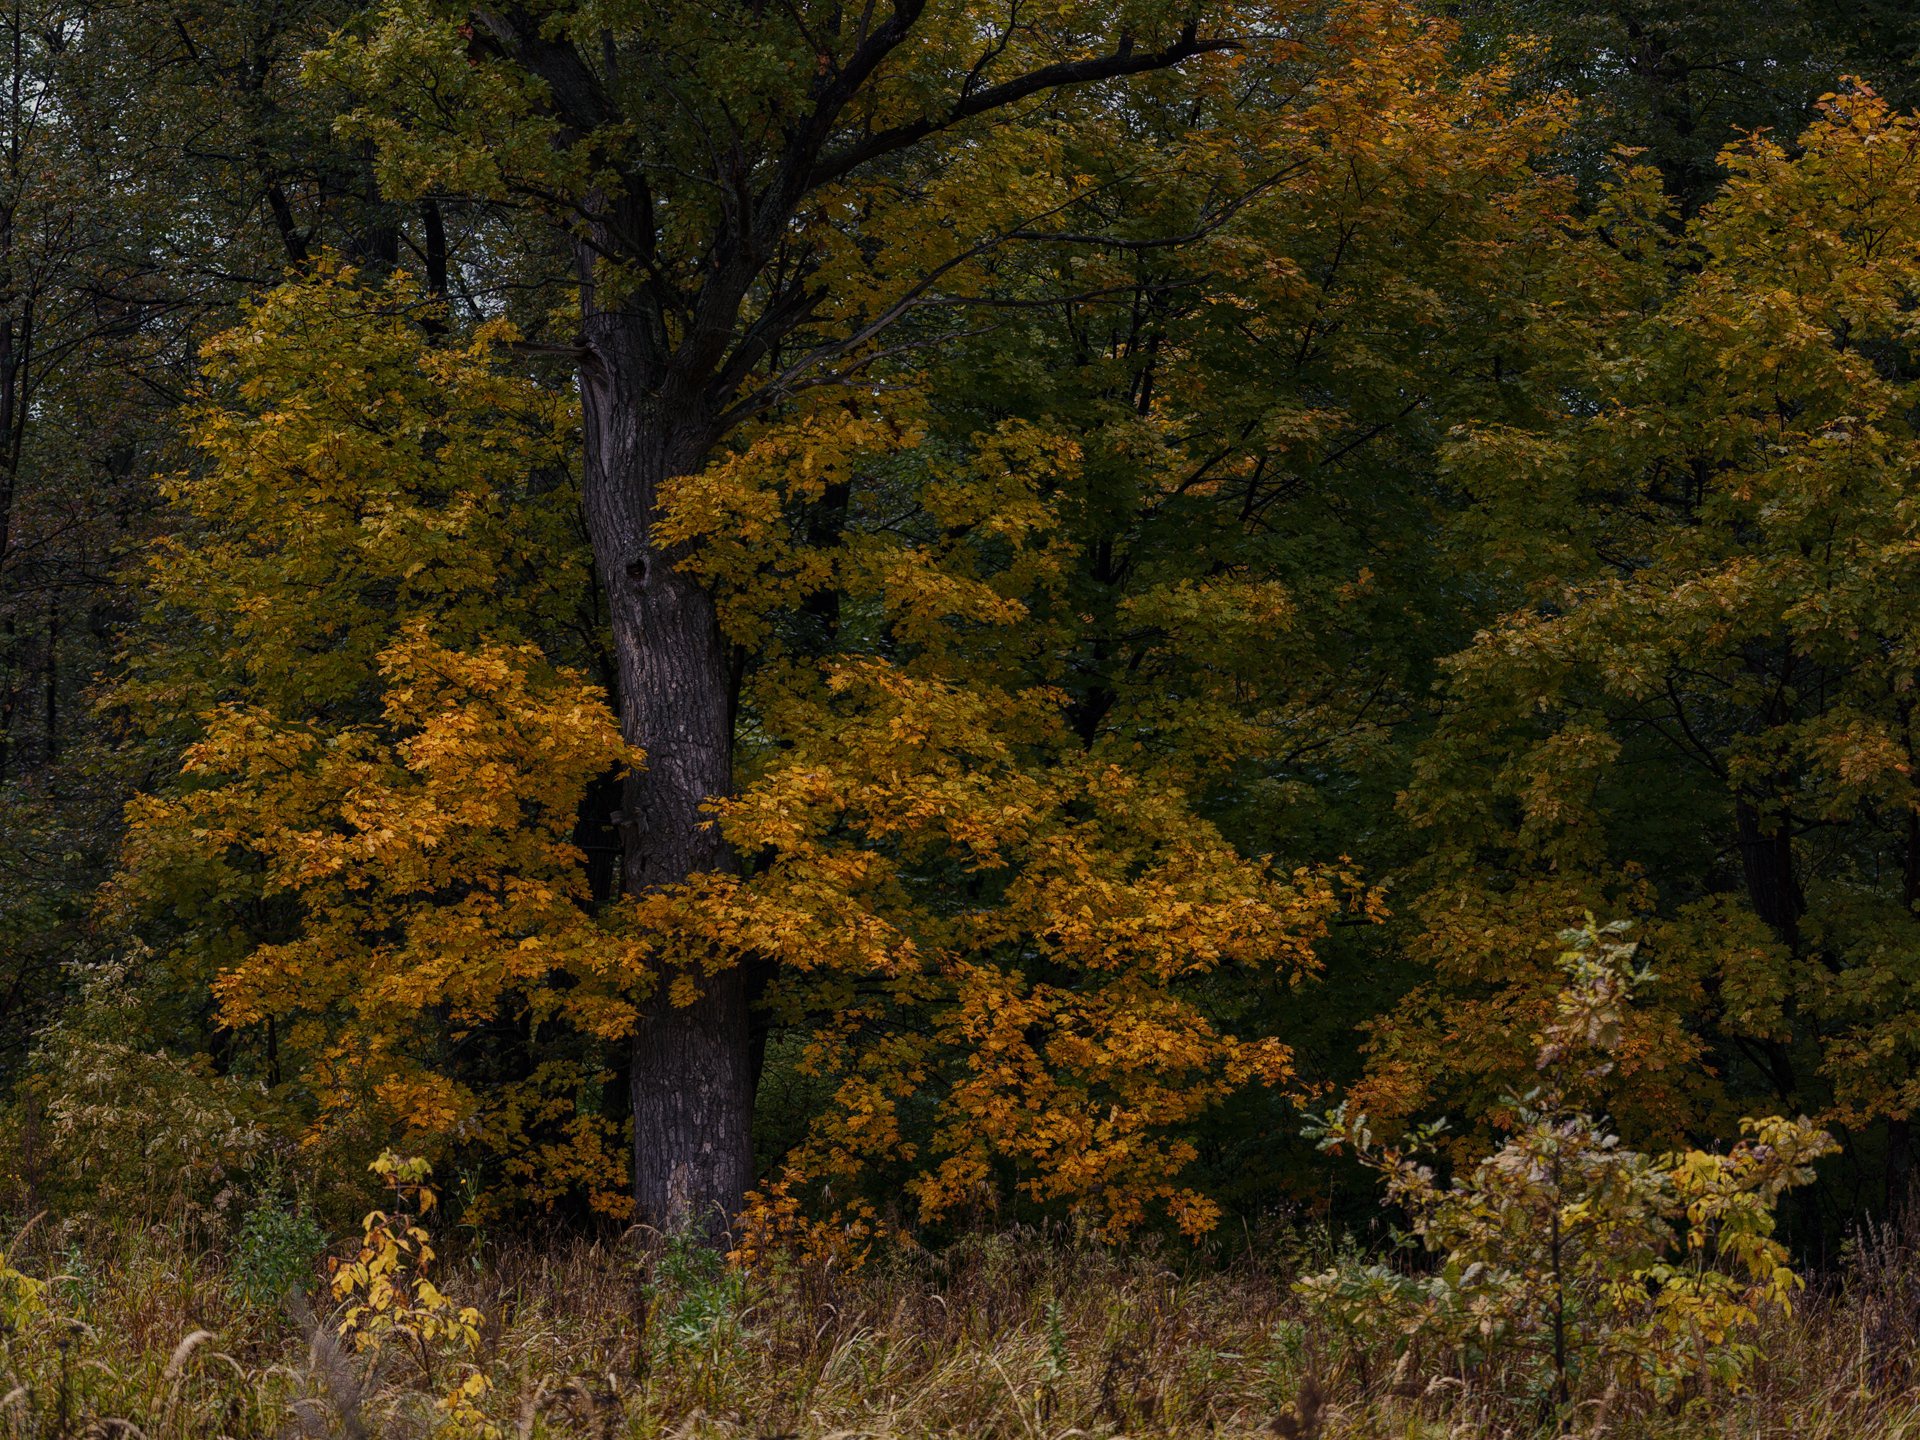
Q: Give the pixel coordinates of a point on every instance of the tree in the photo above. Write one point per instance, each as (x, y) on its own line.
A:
(368, 854)
(157, 162)
(1577, 1263)
(704, 162)
(77, 333)
(770, 206)
(1681, 82)
(1699, 701)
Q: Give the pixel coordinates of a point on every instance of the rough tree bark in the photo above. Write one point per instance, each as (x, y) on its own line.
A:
(691, 1077)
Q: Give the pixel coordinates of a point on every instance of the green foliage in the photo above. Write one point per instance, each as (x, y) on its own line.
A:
(109, 1124)
(695, 1304)
(1566, 1258)
(1680, 82)
(1694, 702)
(276, 1251)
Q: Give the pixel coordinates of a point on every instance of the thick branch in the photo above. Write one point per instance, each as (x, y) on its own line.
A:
(1124, 61)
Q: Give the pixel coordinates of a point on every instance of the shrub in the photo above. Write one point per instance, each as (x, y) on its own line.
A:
(276, 1252)
(104, 1124)
(20, 1298)
(391, 1306)
(1567, 1257)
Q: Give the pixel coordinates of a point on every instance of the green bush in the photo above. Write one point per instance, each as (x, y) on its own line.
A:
(107, 1125)
(276, 1252)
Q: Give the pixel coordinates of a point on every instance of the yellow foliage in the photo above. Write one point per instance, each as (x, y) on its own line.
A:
(389, 1302)
(368, 851)
(1046, 1014)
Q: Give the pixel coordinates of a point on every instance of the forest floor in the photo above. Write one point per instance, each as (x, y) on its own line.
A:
(1014, 1335)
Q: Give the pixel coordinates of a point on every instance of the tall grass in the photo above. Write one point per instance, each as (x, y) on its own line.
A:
(1024, 1335)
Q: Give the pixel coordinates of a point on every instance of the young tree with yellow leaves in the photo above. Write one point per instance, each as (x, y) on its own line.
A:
(369, 854)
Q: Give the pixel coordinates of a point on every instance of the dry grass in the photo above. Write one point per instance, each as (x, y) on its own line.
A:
(1021, 1336)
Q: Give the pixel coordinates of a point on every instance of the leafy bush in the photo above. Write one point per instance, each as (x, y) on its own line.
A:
(391, 1306)
(20, 1297)
(697, 1298)
(276, 1252)
(104, 1124)
(1564, 1255)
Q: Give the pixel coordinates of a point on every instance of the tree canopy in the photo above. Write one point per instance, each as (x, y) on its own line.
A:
(841, 618)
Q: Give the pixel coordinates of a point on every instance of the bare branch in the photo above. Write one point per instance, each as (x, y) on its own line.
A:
(1123, 61)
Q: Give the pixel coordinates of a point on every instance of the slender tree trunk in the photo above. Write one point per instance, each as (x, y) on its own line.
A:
(692, 1083)
(434, 244)
(1773, 889)
(1766, 860)
(1899, 1165)
(51, 694)
(9, 689)
(1900, 1127)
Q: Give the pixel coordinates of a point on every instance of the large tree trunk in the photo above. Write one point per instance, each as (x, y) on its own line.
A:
(692, 1081)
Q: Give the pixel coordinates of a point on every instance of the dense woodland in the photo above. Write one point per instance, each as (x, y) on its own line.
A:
(770, 659)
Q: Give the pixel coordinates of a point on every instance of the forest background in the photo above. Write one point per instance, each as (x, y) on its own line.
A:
(855, 627)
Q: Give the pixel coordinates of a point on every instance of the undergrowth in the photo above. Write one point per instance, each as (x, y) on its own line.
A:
(1022, 1335)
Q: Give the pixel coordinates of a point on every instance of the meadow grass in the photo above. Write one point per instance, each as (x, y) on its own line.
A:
(153, 1332)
